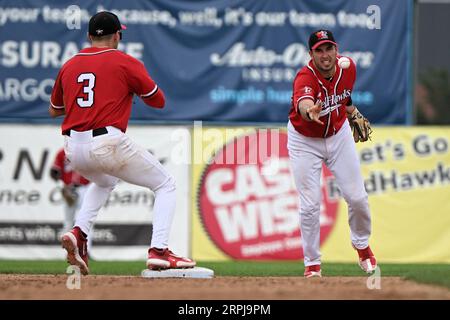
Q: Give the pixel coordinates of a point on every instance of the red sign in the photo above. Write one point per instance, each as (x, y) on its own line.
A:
(248, 202)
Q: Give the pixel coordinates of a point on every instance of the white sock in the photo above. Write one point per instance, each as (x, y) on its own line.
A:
(163, 212)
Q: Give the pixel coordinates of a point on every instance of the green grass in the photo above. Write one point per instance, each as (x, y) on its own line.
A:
(426, 273)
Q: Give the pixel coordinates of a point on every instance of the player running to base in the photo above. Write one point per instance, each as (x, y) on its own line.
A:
(319, 132)
(94, 91)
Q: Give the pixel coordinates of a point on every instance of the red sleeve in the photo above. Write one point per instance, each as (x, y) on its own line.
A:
(156, 100)
(304, 88)
(56, 100)
(59, 160)
(142, 84)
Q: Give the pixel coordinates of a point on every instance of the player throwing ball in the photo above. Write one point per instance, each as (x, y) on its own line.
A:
(321, 121)
(94, 91)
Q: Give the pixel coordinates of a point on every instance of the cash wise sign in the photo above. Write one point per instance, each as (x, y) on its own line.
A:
(248, 203)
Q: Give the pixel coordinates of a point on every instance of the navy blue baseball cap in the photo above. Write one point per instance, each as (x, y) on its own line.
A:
(103, 23)
(320, 37)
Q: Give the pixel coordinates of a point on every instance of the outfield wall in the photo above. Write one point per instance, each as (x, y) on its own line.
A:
(236, 198)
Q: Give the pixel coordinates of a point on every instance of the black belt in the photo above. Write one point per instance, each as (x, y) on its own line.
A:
(95, 132)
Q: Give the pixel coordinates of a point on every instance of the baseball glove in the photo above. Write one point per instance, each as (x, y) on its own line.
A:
(360, 126)
(70, 195)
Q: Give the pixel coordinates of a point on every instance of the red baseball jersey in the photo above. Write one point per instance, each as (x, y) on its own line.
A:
(68, 176)
(332, 94)
(96, 87)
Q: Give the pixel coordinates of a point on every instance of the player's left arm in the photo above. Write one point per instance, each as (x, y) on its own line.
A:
(349, 107)
(57, 107)
(361, 127)
(140, 83)
(154, 98)
(359, 124)
(351, 72)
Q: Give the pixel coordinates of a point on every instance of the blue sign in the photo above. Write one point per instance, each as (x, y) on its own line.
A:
(215, 61)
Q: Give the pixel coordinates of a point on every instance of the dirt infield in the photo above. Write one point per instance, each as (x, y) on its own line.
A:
(219, 288)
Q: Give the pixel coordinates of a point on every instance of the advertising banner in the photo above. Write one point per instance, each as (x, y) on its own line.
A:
(31, 203)
(246, 205)
(407, 177)
(215, 60)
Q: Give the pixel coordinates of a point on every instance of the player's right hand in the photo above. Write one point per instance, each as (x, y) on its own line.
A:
(314, 113)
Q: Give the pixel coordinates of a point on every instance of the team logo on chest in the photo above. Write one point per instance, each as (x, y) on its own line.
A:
(332, 102)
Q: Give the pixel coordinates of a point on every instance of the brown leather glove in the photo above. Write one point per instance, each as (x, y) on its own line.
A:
(360, 126)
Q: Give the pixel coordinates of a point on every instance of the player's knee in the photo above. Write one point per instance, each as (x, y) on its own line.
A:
(171, 183)
(361, 201)
(168, 185)
(309, 211)
(104, 187)
(106, 183)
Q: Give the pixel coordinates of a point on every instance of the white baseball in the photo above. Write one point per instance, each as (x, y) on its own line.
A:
(344, 63)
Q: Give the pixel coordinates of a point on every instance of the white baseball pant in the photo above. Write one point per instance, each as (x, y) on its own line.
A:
(339, 154)
(70, 212)
(104, 160)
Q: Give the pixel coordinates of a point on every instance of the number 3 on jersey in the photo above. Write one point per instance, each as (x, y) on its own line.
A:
(88, 79)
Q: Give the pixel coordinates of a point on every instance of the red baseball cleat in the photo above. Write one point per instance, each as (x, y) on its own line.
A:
(166, 259)
(367, 260)
(313, 271)
(76, 246)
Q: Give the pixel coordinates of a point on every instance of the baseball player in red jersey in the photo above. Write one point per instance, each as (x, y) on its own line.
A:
(94, 91)
(319, 132)
(73, 191)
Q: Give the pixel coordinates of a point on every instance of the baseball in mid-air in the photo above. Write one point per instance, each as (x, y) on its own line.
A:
(344, 63)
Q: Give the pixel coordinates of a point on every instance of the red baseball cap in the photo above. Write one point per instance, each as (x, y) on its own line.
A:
(320, 37)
